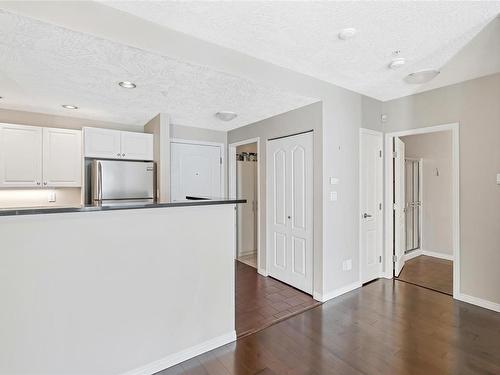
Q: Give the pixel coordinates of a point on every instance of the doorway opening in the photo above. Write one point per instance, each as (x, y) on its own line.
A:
(260, 300)
(247, 213)
(423, 222)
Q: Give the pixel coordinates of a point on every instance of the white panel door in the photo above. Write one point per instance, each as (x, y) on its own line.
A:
(371, 190)
(399, 206)
(20, 155)
(102, 143)
(196, 170)
(62, 157)
(290, 210)
(137, 146)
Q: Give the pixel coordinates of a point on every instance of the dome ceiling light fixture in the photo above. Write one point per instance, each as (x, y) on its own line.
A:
(422, 76)
(226, 115)
(347, 33)
(127, 85)
(69, 106)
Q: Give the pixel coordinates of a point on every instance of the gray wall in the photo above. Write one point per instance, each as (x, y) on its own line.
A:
(475, 104)
(435, 150)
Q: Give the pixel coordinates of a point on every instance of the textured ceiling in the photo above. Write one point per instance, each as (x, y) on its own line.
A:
(302, 36)
(43, 66)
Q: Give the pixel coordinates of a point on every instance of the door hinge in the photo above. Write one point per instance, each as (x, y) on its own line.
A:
(220, 160)
(394, 155)
(394, 206)
(380, 206)
(394, 258)
(380, 153)
(380, 258)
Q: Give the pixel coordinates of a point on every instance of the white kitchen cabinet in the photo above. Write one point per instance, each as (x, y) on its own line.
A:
(102, 143)
(20, 156)
(115, 144)
(62, 157)
(137, 146)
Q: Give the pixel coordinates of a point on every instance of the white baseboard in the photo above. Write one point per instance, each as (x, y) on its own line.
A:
(262, 271)
(183, 355)
(413, 254)
(335, 293)
(479, 302)
(245, 253)
(437, 255)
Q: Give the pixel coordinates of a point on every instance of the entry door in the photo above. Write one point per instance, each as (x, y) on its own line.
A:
(371, 190)
(195, 171)
(399, 206)
(290, 210)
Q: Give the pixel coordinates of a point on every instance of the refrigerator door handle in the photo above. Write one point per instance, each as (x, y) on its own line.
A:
(99, 182)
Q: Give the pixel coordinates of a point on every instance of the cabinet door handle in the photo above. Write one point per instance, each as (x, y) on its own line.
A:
(118, 154)
(45, 182)
(123, 154)
(38, 183)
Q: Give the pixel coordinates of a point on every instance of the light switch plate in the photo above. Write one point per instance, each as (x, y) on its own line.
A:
(347, 265)
(334, 181)
(333, 196)
(52, 196)
(498, 178)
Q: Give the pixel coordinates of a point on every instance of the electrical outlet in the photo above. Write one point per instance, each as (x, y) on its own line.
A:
(52, 196)
(347, 265)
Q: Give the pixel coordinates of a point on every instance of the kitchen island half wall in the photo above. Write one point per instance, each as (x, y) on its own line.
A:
(115, 292)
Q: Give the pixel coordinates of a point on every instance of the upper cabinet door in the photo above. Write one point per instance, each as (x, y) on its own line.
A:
(62, 157)
(137, 146)
(20, 155)
(102, 143)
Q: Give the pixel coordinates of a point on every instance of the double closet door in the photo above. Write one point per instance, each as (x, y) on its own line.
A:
(290, 210)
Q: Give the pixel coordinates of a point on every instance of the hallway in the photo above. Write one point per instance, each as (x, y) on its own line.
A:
(429, 272)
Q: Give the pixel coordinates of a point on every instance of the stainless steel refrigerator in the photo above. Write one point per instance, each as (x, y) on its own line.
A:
(119, 182)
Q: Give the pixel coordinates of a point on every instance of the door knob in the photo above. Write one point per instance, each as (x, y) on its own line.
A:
(365, 215)
(289, 217)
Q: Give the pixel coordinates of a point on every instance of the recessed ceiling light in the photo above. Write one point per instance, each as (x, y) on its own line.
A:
(69, 106)
(397, 63)
(226, 115)
(127, 85)
(347, 33)
(421, 76)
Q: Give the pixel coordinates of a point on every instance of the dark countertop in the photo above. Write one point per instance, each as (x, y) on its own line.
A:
(190, 201)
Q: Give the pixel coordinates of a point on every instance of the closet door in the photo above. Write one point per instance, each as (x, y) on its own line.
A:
(20, 156)
(290, 210)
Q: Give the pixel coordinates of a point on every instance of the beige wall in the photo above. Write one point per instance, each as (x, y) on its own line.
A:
(474, 104)
(435, 150)
(251, 147)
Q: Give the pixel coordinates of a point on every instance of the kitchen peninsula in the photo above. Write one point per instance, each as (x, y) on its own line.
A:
(109, 289)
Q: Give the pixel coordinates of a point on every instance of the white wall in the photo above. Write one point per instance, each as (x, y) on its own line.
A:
(435, 150)
(109, 292)
(475, 105)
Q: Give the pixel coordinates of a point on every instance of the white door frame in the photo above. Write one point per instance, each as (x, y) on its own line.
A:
(388, 252)
(377, 133)
(232, 193)
(204, 143)
(417, 252)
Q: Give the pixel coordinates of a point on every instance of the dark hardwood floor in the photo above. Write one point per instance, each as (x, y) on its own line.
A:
(387, 327)
(429, 272)
(262, 301)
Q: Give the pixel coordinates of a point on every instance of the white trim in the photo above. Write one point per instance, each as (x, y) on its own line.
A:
(337, 292)
(222, 147)
(455, 129)
(435, 254)
(232, 193)
(381, 244)
(478, 302)
(183, 355)
(413, 254)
